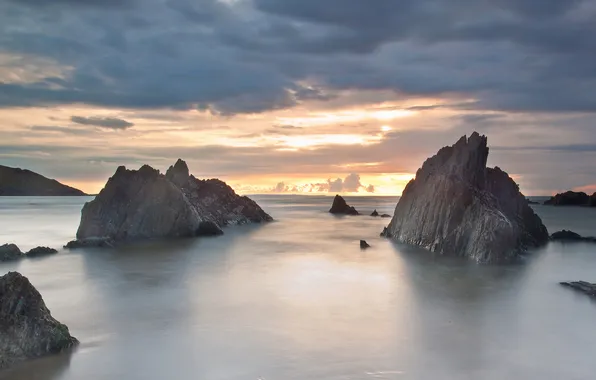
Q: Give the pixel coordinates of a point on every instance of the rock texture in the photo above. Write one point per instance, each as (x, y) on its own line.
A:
(144, 204)
(19, 182)
(27, 329)
(9, 252)
(570, 236)
(582, 286)
(457, 206)
(41, 251)
(340, 206)
(572, 198)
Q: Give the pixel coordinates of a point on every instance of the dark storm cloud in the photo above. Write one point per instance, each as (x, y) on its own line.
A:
(102, 122)
(513, 55)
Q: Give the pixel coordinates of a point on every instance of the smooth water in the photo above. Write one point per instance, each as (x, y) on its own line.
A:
(298, 299)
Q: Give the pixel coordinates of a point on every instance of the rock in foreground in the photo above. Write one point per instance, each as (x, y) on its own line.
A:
(582, 286)
(570, 236)
(457, 206)
(10, 252)
(340, 206)
(145, 204)
(27, 329)
(572, 198)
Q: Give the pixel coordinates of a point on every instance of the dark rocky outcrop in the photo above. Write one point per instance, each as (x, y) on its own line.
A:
(19, 182)
(41, 251)
(582, 286)
(340, 206)
(10, 252)
(457, 206)
(27, 329)
(364, 244)
(570, 236)
(377, 215)
(572, 198)
(531, 202)
(374, 213)
(385, 216)
(144, 204)
(91, 243)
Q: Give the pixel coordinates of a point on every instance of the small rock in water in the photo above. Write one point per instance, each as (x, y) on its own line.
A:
(364, 244)
(570, 236)
(374, 213)
(385, 216)
(41, 251)
(582, 286)
(341, 207)
(27, 329)
(9, 252)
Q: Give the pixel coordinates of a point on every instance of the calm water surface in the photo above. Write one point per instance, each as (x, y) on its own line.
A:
(298, 299)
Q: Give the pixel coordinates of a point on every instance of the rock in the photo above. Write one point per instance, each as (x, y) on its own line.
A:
(20, 182)
(10, 252)
(208, 228)
(27, 329)
(41, 251)
(457, 206)
(570, 236)
(364, 244)
(572, 198)
(531, 202)
(385, 233)
(374, 213)
(582, 286)
(144, 204)
(385, 216)
(91, 243)
(340, 206)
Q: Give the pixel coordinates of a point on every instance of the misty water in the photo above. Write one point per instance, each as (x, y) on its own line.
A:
(298, 299)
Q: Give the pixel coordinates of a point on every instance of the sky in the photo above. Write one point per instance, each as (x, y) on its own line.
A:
(298, 96)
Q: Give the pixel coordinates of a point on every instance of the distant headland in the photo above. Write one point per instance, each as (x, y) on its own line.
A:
(21, 182)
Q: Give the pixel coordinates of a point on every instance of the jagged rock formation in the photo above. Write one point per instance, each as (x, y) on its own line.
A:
(10, 252)
(41, 251)
(340, 206)
(144, 204)
(570, 236)
(582, 286)
(27, 329)
(457, 206)
(572, 198)
(19, 182)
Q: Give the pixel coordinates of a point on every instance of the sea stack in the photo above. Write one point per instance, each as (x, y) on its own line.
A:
(340, 207)
(27, 329)
(457, 206)
(145, 204)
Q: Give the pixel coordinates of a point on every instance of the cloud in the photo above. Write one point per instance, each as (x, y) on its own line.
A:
(351, 183)
(102, 122)
(58, 129)
(370, 189)
(280, 188)
(335, 186)
(254, 56)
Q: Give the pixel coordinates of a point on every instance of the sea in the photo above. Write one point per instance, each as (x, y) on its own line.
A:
(297, 299)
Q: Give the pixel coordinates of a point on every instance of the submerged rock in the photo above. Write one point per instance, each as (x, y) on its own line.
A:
(570, 236)
(144, 204)
(41, 251)
(340, 206)
(10, 252)
(27, 329)
(582, 286)
(457, 206)
(385, 216)
(572, 198)
(364, 244)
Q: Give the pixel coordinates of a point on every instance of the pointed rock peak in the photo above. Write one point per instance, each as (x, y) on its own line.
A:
(341, 207)
(178, 173)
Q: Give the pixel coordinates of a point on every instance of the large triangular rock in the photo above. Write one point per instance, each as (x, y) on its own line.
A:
(457, 206)
(340, 206)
